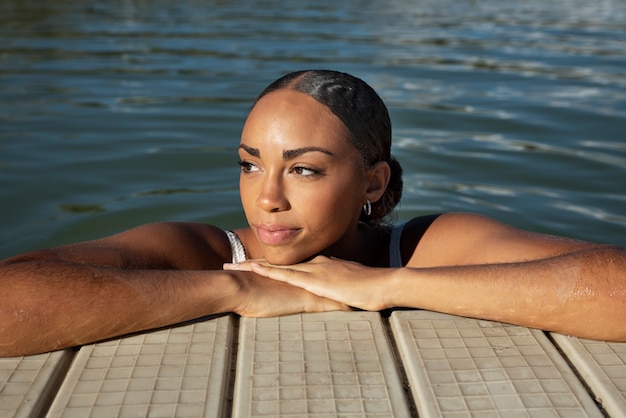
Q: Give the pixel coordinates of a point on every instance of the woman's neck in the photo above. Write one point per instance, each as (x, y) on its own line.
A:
(369, 246)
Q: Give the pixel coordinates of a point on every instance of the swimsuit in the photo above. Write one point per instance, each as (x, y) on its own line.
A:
(236, 247)
(418, 226)
(395, 255)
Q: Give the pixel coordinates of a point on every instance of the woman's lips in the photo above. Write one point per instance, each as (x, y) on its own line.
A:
(275, 234)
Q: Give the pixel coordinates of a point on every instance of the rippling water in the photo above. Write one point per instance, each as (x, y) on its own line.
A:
(119, 113)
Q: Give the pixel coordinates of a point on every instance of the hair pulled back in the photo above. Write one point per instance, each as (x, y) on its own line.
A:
(366, 118)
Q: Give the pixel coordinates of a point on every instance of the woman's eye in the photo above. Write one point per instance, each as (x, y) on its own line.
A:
(306, 172)
(248, 167)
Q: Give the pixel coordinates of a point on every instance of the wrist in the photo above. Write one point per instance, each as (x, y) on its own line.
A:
(396, 292)
(225, 291)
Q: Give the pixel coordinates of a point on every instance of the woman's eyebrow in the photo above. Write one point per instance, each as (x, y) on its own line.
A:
(289, 154)
(252, 151)
(294, 153)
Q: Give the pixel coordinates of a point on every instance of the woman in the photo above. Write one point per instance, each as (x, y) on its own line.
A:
(317, 181)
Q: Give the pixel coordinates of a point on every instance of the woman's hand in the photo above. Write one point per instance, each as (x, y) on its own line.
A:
(261, 297)
(350, 283)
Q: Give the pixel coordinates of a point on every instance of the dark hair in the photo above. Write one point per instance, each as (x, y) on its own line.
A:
(366, 118)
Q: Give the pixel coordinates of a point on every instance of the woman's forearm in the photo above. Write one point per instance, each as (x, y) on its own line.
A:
(582, 293)
(49, 305)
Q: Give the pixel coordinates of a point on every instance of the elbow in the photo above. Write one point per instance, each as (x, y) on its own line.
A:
(22, 335)
(595, 307)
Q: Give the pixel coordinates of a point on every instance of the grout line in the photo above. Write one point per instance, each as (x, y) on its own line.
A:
(572, 366)
(59, 374)
(384, 316)
(232, 368)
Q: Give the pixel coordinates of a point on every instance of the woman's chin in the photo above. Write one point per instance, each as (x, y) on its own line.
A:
(283, 258)
(282, 261)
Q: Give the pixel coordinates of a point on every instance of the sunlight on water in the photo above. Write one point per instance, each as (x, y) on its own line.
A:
(125, 112)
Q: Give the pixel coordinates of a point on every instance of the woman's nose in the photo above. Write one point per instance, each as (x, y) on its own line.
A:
(272, 196)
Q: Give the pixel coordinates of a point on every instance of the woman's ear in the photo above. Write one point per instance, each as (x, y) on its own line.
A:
(378, 177)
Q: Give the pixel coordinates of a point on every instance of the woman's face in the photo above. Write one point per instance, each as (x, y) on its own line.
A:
(302, 184)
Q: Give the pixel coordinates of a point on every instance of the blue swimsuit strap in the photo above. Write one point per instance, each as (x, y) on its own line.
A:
(395, 256)
(418, 228)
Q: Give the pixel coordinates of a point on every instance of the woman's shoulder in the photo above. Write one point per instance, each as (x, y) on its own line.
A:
(176, 231)
(410, 234)
(460, 238)
(185, 245)
(450, 226)
(450, 238)
(160, 245)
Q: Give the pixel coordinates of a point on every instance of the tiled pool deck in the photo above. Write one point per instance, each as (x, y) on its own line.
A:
(339, 364)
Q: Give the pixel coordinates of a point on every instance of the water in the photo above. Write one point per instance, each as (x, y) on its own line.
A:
(118, 113)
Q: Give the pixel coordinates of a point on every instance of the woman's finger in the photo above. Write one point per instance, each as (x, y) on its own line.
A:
(243, 266)
(281, 273)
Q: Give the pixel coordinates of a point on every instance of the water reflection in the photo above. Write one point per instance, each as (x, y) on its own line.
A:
(123, 112)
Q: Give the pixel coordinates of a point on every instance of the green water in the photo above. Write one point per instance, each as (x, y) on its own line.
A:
(118, 113)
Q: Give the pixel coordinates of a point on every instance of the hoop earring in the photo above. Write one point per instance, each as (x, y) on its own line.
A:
(367, 207)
